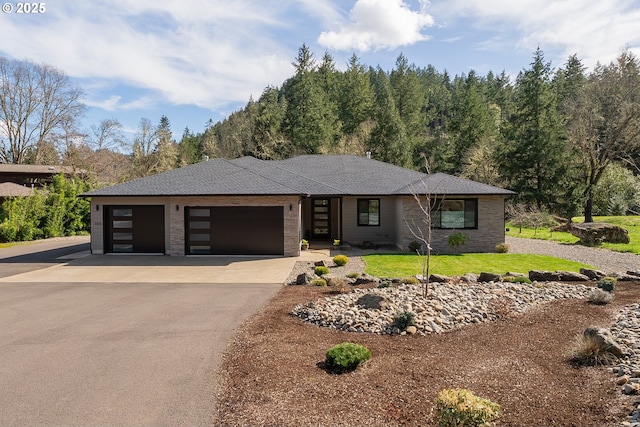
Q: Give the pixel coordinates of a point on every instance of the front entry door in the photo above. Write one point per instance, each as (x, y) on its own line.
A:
(321, 218)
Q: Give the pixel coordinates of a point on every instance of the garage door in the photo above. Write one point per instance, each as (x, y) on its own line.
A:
(235, 230)
(134, 229)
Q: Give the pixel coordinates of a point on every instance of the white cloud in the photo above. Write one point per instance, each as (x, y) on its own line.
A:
(378, 24)
(187, 52)
(595, 31)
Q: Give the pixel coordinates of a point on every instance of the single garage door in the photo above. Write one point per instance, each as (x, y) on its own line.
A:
(134, 229)
(235, 230)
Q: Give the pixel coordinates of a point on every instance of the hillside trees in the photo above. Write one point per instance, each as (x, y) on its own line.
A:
(38, 103)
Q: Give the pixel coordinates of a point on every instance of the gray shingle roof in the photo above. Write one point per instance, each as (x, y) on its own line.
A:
(324, 175)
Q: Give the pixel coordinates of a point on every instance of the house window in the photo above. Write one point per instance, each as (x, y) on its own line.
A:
(368, 212)
(457, 213)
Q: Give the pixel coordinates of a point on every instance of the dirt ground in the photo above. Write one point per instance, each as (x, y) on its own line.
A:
(272, 376)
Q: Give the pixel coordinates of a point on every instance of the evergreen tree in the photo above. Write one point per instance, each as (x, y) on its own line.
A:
(311, 122)
(531, 156)
(357, 97)
(388, 138)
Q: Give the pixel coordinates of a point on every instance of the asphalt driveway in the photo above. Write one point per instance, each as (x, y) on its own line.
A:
(103, 352)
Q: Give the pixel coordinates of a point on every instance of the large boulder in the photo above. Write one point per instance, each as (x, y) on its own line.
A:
(604, 339)
(592, 233)
(373, 301)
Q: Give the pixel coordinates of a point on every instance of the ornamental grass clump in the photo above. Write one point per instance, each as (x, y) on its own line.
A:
(318, 282)
(340, 260)
(599, 296)
(589, 351)
(346, 356)
(461, 408)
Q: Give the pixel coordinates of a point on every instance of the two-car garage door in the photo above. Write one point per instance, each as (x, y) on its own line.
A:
(219, 230)
(235, 230)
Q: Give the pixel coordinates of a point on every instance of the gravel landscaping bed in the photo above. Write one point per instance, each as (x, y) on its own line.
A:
(507, 342)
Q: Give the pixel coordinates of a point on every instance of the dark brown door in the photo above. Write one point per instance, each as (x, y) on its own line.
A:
(235, 230)
(321, 218)
(134, 229)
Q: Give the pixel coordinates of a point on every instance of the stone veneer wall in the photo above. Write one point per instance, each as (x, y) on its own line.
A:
(291, 217)
(489, 233)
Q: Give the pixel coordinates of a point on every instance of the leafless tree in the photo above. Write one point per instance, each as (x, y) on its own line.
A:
(604, 121)
(422, 230)
(106, 135)
(36, 100)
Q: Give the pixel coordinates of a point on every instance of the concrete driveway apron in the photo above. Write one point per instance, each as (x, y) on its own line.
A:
(112, 340)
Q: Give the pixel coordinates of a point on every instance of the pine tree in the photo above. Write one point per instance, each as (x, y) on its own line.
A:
(531, 156)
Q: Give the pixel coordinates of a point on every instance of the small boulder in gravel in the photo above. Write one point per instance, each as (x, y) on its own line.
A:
(624, 277)
(303, 279)
(470, 278)
(634, 273)
(489, 277)
(321, 263)
(605, 340)
(373, 302)
(440, 278)
(570, 276)
(365, 279)
(543, 276)
(592, 274)
(411, 330)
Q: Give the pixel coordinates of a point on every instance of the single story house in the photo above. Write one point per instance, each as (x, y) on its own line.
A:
(265, 207)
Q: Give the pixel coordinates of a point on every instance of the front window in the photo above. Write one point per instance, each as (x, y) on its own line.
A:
(368, 212)
(458, 213)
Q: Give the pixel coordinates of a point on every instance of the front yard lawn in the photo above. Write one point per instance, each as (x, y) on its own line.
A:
(404, 265)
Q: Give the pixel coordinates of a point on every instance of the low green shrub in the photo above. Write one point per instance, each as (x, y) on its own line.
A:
(461, 408)
(320, 270)
(502, 248)
(353, 275)
(414, 246)
(600, 296)
(319, 282)
(384, 284)
(411, 280)
(607, 284)
(516, 279)
(340, 260)
(403, 319)
(346, 356)
(456, 240)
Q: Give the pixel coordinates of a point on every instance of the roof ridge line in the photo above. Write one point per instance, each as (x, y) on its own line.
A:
(304, 176)
(265, 177)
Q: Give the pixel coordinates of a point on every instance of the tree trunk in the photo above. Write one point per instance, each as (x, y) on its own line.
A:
(588, 208)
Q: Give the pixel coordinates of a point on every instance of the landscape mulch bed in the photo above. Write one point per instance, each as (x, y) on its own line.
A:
(272, 375)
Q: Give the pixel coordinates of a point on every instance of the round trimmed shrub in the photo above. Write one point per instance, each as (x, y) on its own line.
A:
(340, 260)
(320, 270)
(502, 248)
(347, 356)
(411, 280)
(319, 282)
(404, 319)
(607, 284)
(414, 246)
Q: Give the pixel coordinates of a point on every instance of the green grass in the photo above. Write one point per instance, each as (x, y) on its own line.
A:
(403, 265)
(630, 223)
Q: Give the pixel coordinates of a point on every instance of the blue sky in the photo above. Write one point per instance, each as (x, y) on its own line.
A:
(195, 60)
